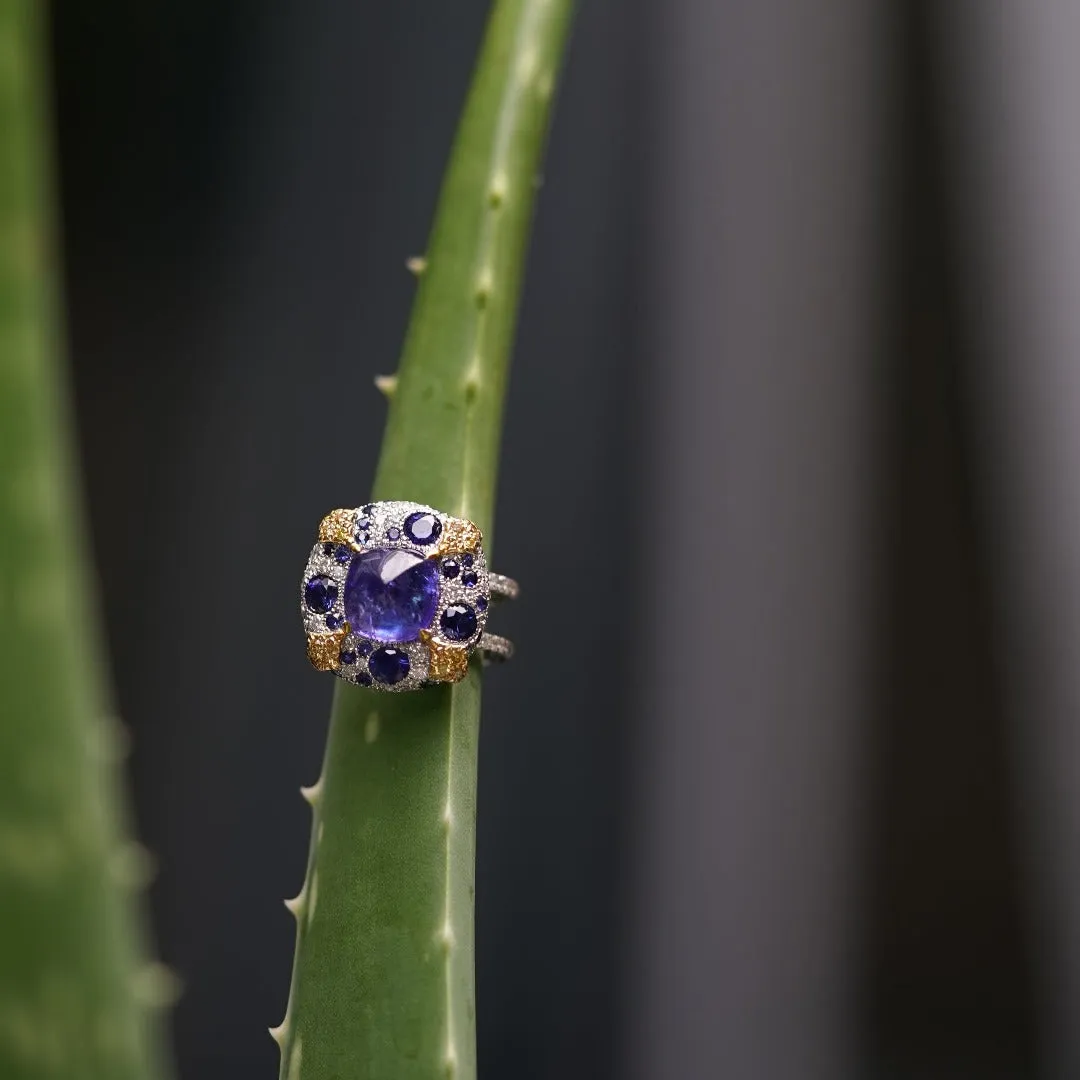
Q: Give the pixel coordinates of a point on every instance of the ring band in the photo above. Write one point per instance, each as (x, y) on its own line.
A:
(503, 587)
(396, 596)
(496, 648)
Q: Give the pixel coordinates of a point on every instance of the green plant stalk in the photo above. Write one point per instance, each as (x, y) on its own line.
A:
(383, 981)
(75, 1000)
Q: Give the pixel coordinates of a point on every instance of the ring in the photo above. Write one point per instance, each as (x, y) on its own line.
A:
(396, 596)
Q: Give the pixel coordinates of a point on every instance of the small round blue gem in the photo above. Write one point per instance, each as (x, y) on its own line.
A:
(363, 524)
(423, 528)
(328, 550)
(458, 622)
(389, 665)
(320, 593)
(348, 657)
(342, 554)
(363, 678)
(393, 534)
(364, 648)
(466, 559)
(368, 509)
(450, 568)
(481, 603)
(469, 579)
(333, 621)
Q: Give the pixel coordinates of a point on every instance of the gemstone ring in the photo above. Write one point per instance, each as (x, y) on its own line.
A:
(396, 596)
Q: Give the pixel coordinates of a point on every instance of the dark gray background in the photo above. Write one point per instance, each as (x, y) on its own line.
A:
(821, 829)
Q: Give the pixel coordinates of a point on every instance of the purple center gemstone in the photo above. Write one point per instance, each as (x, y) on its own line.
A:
(391, 595)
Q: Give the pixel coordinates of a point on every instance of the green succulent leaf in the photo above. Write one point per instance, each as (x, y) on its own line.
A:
(383, 984)
(75, 997)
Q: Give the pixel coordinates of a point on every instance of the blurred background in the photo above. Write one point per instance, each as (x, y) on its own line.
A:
(797, 354)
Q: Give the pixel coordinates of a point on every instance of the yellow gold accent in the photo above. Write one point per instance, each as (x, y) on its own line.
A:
(339, 527)
(324, 650)
(448, 662)
(458, 535)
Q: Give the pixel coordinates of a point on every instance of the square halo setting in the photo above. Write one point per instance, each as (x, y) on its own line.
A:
(395, 595)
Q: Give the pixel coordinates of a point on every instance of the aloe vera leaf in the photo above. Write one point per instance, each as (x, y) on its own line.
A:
(75, 997)
(383, 981)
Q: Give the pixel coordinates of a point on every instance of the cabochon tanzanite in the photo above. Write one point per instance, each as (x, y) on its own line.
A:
(390, 594)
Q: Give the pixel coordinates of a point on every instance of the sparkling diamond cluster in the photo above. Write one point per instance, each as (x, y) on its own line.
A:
(394, 595)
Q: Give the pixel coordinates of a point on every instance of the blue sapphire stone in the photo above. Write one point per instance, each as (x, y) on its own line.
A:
(320, 593)
(332, 622)
(363, 678)
(423, 528)
(391, 595)
(481, 603)
(389, 665)
(469, 579)
(342, 554)
(466, 559)
(450, 568)
(393, 534)
(348, 657)
(458, 622)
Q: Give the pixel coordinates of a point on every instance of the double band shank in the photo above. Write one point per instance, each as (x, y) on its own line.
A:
(495, 647)
(506, 588)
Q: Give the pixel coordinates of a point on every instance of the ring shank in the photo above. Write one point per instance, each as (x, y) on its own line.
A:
(496, 648)
(503, 587)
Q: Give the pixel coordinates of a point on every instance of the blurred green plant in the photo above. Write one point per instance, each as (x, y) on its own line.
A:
(75, 998)
(383, 981)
